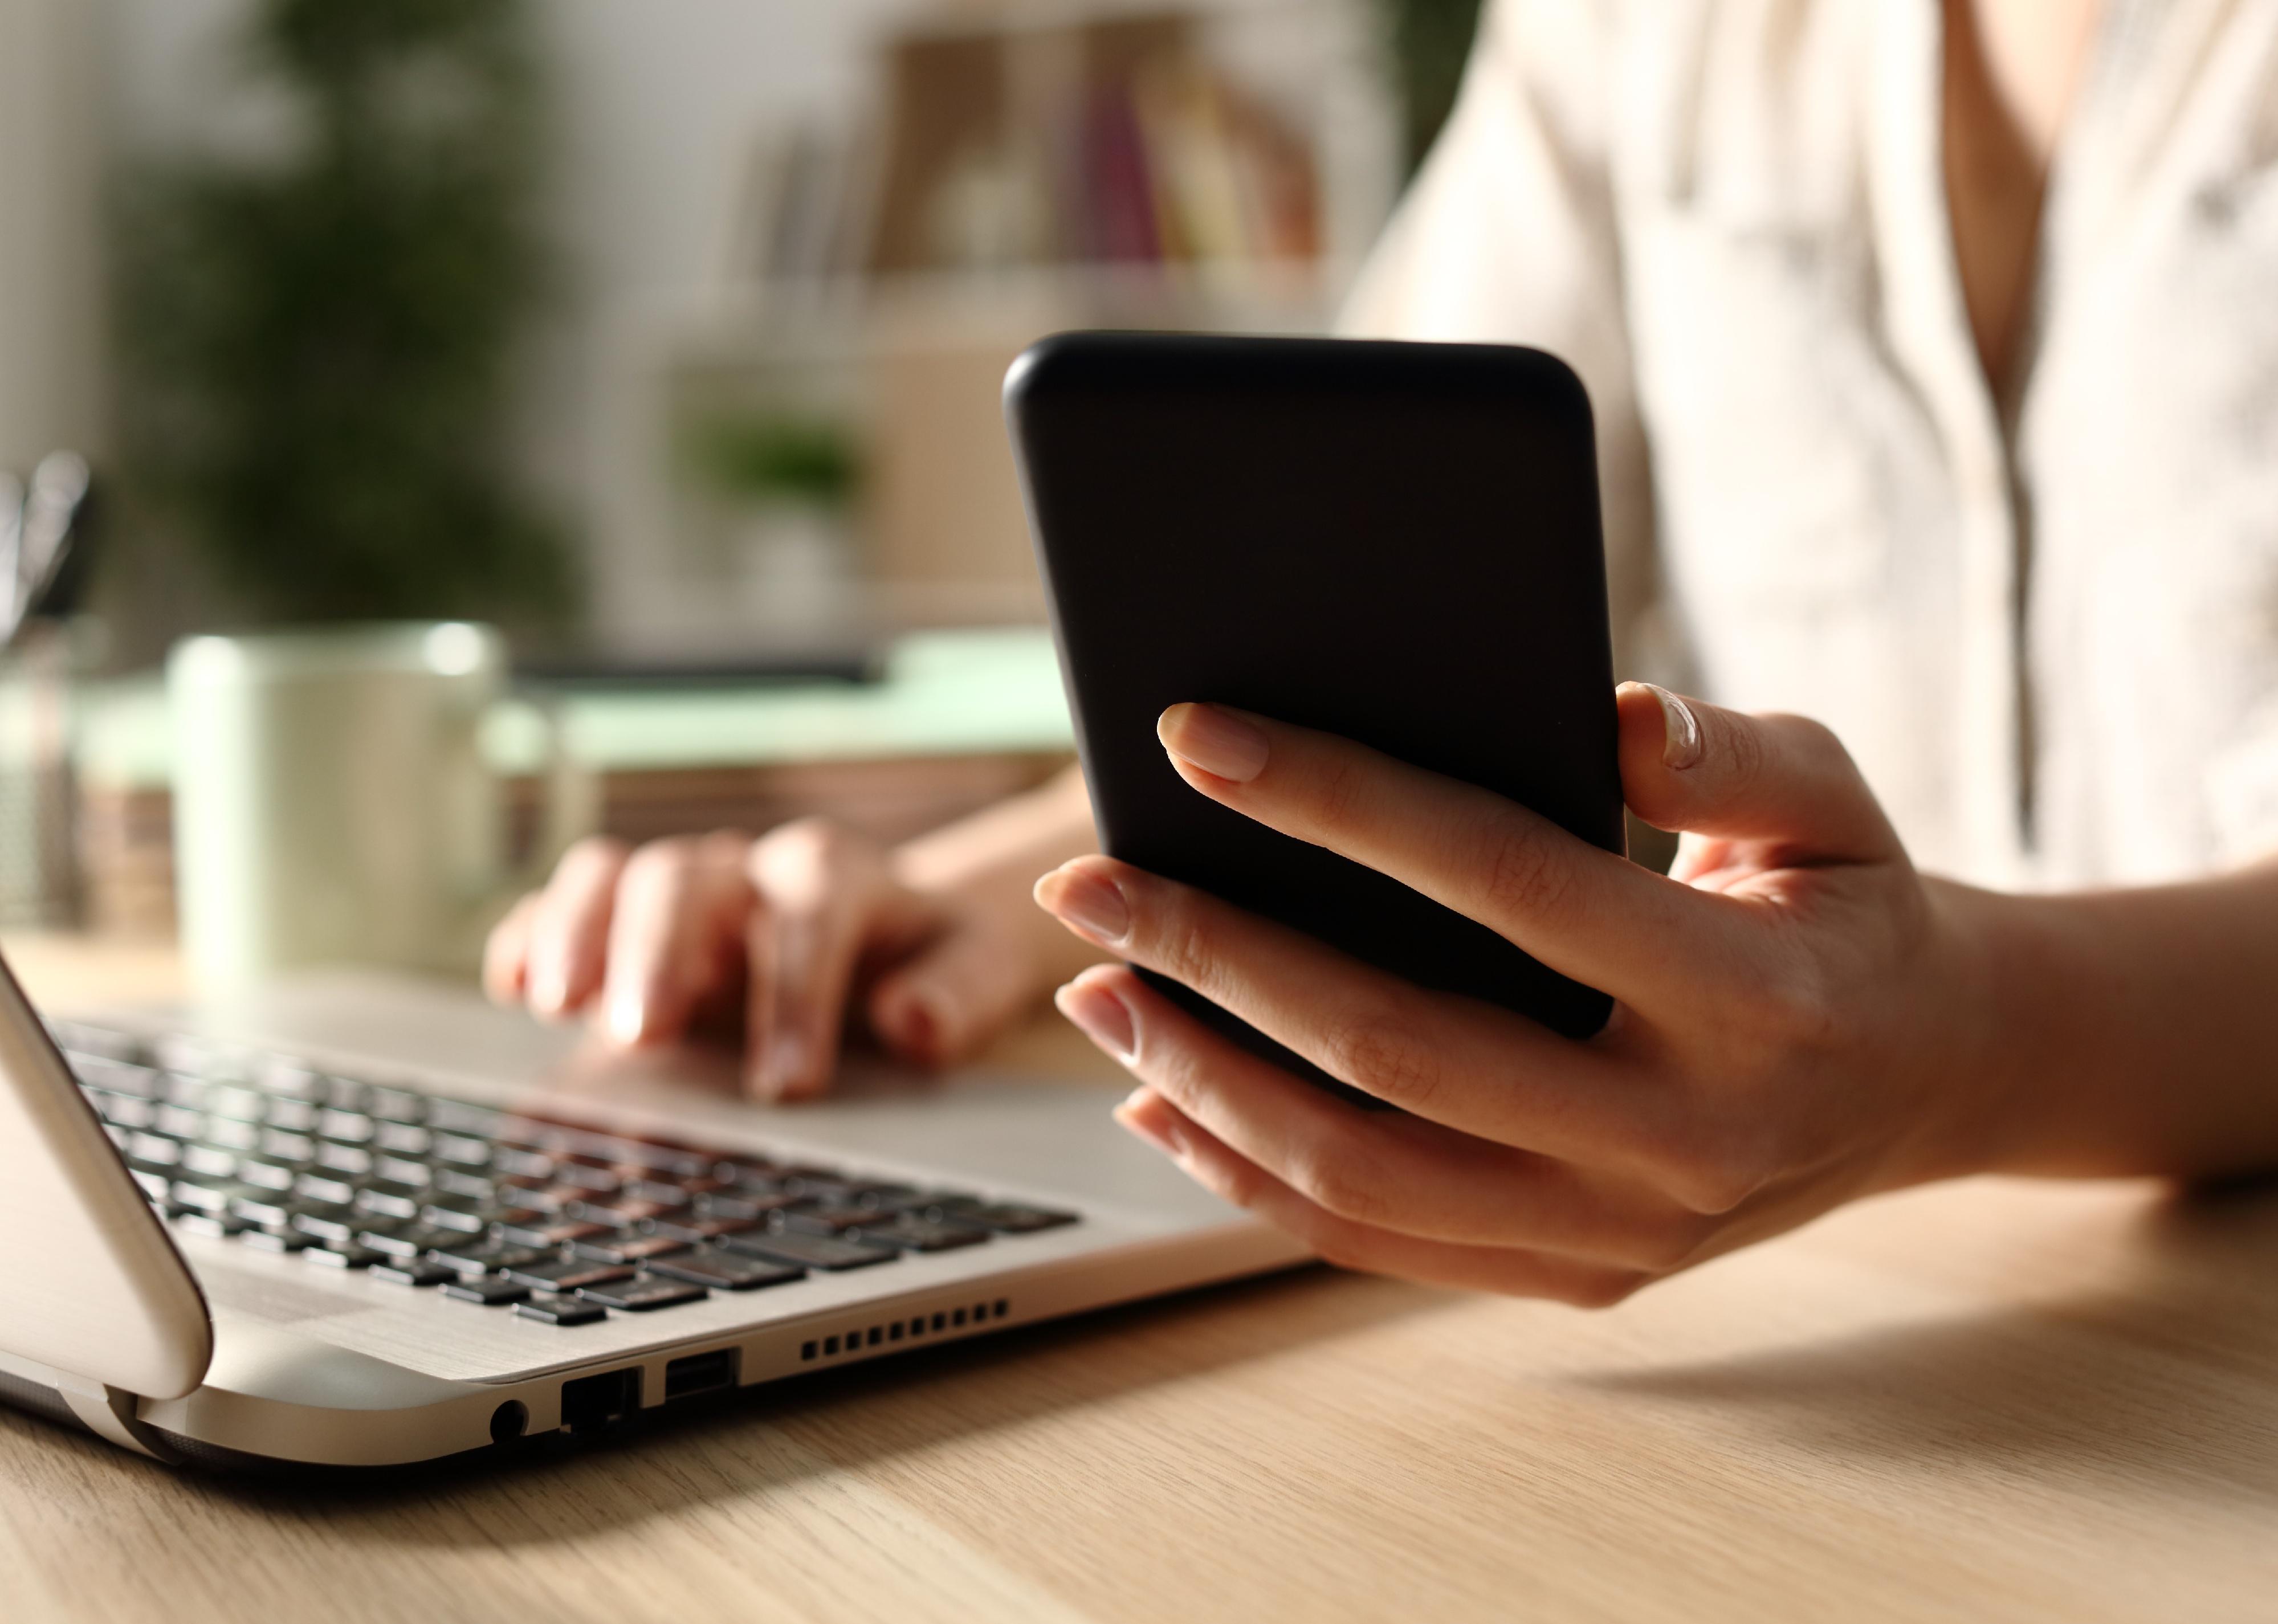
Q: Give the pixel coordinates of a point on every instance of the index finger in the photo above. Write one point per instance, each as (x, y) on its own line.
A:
(1587, 913)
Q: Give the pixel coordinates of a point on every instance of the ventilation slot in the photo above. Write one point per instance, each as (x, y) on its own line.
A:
(915, 1328)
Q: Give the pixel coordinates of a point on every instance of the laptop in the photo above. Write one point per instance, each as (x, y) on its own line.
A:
(361, 1221)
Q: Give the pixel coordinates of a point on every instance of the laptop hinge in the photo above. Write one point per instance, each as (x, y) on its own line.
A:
(110, 1413)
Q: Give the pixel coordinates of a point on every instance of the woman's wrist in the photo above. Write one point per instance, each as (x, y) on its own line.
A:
(1993, 1058)
(2128, 1032)
(984, 866)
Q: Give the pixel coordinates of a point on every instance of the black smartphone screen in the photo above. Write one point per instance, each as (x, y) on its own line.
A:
(1398, 543)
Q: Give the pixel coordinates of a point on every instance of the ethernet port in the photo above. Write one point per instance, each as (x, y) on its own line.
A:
(592, 1402)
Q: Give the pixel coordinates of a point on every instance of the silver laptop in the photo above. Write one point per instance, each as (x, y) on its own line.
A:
(360, 1222)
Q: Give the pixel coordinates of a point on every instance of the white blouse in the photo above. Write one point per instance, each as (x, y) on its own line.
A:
(2047, 627)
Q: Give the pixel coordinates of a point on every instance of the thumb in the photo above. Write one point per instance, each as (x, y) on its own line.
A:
(1697, 769)
(954, 995)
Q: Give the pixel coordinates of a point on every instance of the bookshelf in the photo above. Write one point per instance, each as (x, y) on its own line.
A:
(1022, 166)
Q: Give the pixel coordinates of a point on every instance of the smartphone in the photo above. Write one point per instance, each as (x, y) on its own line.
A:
(1398, 543)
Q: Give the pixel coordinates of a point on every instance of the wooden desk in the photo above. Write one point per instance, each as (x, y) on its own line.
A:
(1984, 1401)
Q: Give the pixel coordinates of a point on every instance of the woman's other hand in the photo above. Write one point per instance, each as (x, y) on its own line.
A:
(933, 943)
(1801, 1018)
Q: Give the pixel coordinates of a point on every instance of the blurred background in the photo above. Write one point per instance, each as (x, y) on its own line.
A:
(665, 336)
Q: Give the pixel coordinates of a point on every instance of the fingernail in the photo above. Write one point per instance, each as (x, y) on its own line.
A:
(1680, 730)
(1093, 905)
(1140, 1122)
(1102, 1016)
(627, 1019)
(782, 1064)
(549, 988)
(914, 1026)
(1223, 744)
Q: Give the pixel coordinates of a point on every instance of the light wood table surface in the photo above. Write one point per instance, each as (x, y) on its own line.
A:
(1990, 1401)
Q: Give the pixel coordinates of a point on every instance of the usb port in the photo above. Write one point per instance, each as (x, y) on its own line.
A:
(700, 1373)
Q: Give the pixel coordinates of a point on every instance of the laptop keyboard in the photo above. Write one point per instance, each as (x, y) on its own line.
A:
(497, 1208)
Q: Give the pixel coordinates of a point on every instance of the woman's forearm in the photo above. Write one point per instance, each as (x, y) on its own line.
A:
(2134, 1032)
(990, 861)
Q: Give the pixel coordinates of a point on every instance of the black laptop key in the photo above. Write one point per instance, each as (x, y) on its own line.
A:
(469, 1217)
(399, 1105)
(344, 1256)
(914, 1234)
(156, 1183)
(405, 1139)
(332, 1225)
(219, 1224)
(551, 1310)
(212, 1195)
(826, 1252)
(338, 1189)
(287, 1146)
(821, 1218)
(691, 1229)
(120, 1076)
(154, 1150)
(626, 1248)
(271, 1209)
(569, 1274)
(522, 1159)
(403, 1169)
(656, 1192)
(344, 1095)
(239, 1104)
(488, 1290)
(353, 1160)
(210, 1161)
(391, 1200)
(292, 1115)
(490, 1257)
(268, 1172)
(406, 1239)
(287, 1241)
(723, 1270)
(642, 1294)
(346, 1127)
(461, 1149)
(463, 1116)
(122, 1110)
(750, 1205)
(1010, 1217)
(232, 1135)
(412, 1272)
(550, 1232)
(450, 1180)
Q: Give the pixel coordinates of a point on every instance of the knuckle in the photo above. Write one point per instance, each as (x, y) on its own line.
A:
(1808, 735)
(1719, 1175)
(667, 859)
(587, 861)
(1742, 748)
(1801, 1008)
(815, 840)
(1376, 1051)
(1338, 1182)
(1671, 1243)
(1523, 878)
(1338, 787)
(1175, 931)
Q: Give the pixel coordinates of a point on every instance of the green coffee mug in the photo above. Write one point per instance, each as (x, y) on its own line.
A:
(333, 804)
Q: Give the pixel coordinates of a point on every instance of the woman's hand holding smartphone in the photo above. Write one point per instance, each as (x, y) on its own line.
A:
(1801, 1017)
